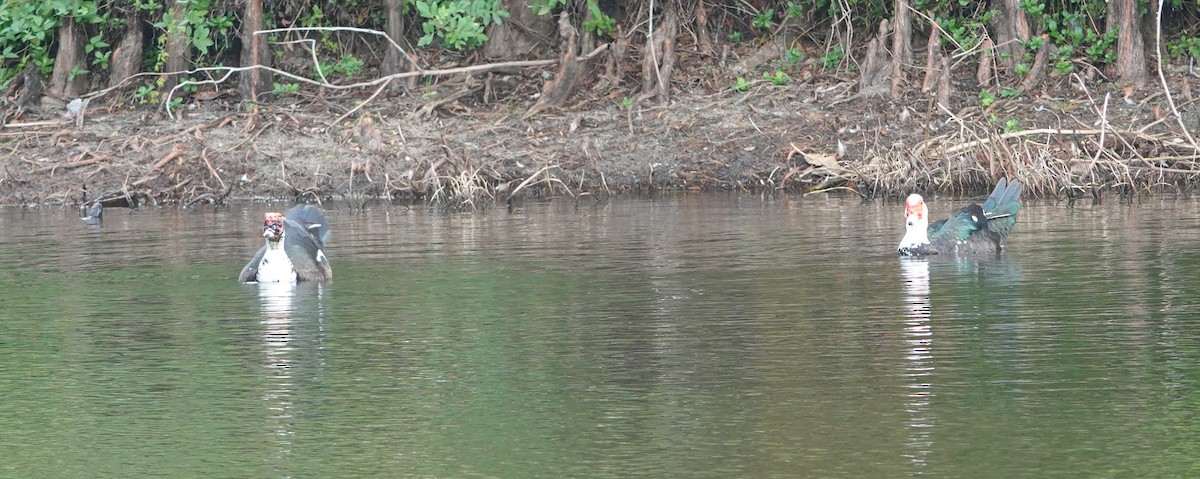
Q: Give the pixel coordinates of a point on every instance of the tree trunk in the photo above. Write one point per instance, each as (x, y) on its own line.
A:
(254, 52)
(876, 67)
(933, 62)
(658, 58)
(1010, 27)
(983, 74)
(179, 46)
(395, 60)
(127, 56)
(523, 32)
(901, 47)
(64, 83)
(1125, 20)
(615, 66)
(587, 39)
(556, 91)
(902, 41)
(1041, 60)
(703, 36)
(943, 84)
(27, 88)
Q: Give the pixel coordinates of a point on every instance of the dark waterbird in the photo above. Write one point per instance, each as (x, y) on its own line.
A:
(974, 229)
(95, 214)
(294, 249)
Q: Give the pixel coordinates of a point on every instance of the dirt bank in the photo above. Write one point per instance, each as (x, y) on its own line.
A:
(468, 151)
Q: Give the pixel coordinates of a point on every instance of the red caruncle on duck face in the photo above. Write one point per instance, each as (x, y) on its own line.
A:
(914, 205)
(273, 226)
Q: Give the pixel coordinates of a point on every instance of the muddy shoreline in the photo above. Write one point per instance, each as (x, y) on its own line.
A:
(467, 154)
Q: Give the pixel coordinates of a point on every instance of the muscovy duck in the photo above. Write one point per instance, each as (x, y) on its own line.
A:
(95, 214)
(294, 249)
(972, 230)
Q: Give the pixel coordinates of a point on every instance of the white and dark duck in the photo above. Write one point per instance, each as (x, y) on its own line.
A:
(974, 229)
(294, 249)
(92, 215)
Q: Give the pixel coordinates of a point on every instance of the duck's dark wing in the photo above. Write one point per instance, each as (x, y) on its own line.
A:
(312, 220)
(1001, 209)
(959, 227)
(250, 271)
(306, 251)
(935, 227)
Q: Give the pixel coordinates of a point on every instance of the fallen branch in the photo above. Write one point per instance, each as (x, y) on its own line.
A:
(72, 165)
(31, 124)
(211, 170)
(175, 153)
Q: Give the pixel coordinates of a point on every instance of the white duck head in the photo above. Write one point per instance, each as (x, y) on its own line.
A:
(916, 223)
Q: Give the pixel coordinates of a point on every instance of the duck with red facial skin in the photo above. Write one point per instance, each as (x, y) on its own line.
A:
(294, 249)
(974, 229)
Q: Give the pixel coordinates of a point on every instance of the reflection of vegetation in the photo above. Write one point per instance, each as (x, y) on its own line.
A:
(511, 352)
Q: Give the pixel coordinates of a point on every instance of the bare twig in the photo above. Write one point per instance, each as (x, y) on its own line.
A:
(229, 71)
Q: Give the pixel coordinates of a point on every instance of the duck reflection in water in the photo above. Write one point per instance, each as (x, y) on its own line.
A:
(918, 342)
(288, 309)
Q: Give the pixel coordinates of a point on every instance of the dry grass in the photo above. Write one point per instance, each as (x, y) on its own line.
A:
(455, 185)
(1068, 163)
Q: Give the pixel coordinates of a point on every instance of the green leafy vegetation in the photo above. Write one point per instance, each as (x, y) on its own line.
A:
(1076, 29)
(282, 89)
(795, 10)
(794, 55)
(347, 65)
(599, 24)
(26, 30)
(986, 98)
(1184, 47)
(764, 19)
(741, 84)
(544, 7)
(459, 24)
(966, 32)
(834, 58)
(777, 78)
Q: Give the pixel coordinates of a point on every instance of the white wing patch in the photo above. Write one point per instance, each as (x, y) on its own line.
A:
(321, 257)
